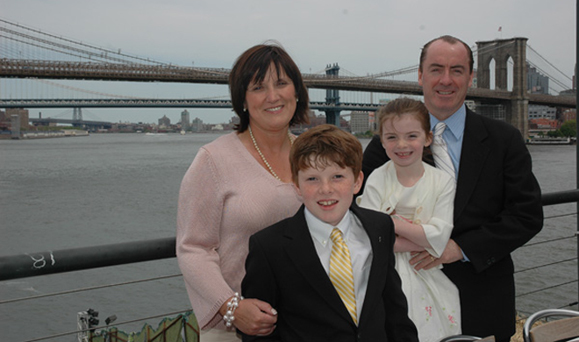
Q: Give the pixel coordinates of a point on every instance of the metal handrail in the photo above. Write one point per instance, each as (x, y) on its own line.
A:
(67, 260)
(75, 259)
(560, 197)
(541, 314)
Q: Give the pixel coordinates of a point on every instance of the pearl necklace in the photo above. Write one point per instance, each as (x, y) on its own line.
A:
(261, 154)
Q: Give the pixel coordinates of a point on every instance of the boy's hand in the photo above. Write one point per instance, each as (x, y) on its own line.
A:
(255, 317)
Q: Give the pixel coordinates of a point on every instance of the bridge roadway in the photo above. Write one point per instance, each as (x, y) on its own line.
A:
(19, 68)
(164, 103)
(74, 123)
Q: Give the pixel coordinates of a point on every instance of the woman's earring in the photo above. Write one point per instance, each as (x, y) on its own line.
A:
(244, 109)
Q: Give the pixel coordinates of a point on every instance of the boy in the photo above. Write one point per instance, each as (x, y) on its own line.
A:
(291, 265)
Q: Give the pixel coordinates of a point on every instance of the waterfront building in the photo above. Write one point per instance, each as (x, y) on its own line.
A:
(542, 112)
(570, 114)
(372, 120)
(536, 82)
(235, 120)
(359, 122)
(542, 126)
(164, 122)
(185, 120)
(197, 125)
(493, 111)
(6, 117)
(317, 120)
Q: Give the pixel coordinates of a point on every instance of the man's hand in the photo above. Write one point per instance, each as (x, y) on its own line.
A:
(424, 260)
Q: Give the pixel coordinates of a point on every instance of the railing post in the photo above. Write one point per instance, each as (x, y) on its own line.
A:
(577, 131)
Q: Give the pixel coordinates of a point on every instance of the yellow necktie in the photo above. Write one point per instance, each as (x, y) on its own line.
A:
(341, 272)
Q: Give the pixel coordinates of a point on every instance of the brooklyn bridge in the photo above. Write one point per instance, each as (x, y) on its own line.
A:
(57, 58)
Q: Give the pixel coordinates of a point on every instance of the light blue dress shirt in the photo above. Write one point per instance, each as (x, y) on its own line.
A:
(453, 135)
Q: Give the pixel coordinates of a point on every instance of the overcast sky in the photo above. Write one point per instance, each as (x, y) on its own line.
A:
(364, 36)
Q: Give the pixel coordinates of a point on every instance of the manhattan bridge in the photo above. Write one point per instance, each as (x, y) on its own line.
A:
(33, 65)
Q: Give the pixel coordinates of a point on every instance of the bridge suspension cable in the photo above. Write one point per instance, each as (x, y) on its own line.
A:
(77, 89)
(551, 77)
(55, 43)
(104, 64)
(554, 67)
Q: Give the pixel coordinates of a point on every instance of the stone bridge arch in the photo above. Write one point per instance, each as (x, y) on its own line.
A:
(501, 50)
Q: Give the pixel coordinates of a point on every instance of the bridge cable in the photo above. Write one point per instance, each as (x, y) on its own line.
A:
(82, 44)
(551, 77)
(554, 67)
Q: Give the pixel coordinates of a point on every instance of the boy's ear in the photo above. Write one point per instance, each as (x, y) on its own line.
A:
(358, 183)
(297, 186)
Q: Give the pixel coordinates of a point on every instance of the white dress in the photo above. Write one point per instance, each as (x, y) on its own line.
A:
(433, 300)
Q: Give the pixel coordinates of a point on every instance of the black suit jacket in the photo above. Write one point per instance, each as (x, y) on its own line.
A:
(497, 208)
(283, 269)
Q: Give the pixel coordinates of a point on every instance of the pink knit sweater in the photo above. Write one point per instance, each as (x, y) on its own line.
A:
(225, 196)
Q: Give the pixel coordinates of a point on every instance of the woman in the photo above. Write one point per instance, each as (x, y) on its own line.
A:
(237, 185)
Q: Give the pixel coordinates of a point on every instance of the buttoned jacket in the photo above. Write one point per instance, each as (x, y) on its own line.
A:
(497, 208)
(283, 269)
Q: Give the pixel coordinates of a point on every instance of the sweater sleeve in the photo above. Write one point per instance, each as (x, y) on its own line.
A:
(200, 208)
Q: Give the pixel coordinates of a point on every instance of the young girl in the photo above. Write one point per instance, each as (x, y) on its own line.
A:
(420, 199)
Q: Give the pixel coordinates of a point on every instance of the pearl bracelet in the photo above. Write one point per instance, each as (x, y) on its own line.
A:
(231, 306)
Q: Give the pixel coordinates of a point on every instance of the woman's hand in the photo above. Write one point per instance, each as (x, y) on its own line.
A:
(255, 317)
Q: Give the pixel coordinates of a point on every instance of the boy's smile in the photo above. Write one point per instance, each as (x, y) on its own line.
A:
(328, 191)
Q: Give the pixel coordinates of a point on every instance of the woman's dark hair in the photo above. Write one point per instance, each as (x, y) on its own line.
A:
(252, 66)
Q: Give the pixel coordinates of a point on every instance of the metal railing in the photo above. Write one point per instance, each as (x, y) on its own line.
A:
(75, 259)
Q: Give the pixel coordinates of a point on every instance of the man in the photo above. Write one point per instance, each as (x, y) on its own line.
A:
(498, 200)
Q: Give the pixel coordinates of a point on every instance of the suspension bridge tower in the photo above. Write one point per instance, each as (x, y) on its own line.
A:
(333, 97)
(501, 50)
(77, 114)
(76, 117)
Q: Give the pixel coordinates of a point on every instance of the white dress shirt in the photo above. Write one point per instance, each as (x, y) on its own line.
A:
(358, 244)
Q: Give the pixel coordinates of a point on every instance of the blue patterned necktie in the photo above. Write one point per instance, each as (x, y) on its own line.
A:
(440, 151)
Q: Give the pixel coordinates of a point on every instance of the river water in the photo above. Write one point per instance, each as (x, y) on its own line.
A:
(109, 188)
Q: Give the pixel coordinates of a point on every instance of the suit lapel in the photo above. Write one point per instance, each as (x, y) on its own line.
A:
(301, 250)
(377, 276)
(472, 159)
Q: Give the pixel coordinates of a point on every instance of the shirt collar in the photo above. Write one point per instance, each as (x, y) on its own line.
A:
(454, 123)
(321, 231)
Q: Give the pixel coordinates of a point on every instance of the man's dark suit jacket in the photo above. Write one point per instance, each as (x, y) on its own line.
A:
(283, 269)
(497, 208)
